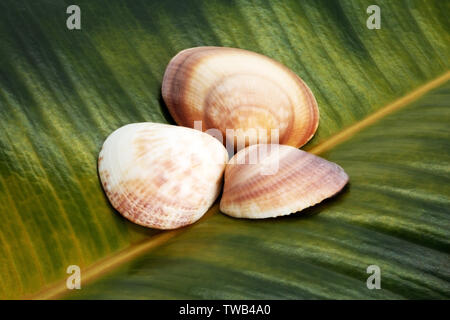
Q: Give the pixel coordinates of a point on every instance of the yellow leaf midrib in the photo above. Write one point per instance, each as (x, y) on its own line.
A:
(377, 115)
(111, 262)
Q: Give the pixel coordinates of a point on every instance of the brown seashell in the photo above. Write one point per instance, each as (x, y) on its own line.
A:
(263, 181)
(228, 88)
(161, 176)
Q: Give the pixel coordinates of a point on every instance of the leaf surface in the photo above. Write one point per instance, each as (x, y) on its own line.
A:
(62, 92)
(393, 214)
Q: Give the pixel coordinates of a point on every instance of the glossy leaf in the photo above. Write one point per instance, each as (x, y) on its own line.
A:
(62, 92)
(393, 214)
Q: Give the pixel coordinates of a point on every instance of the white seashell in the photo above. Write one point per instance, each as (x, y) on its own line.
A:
(263, 181)
(161, 176)
(240, 90)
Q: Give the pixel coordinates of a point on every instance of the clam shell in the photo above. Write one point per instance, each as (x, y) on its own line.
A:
(263, 181)
(228, 88)
(161, 176)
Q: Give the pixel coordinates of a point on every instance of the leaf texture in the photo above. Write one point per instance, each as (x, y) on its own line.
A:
(62, 92)
(393, 214)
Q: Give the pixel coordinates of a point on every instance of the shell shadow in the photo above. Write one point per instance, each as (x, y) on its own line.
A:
(318, 208)
(164, 110)
(308, 212)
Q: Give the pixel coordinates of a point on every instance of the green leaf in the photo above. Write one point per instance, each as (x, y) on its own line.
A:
(62, 92)
(394, 214)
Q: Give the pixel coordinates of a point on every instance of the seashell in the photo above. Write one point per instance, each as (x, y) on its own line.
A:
(161, 176)
(258, 98)
(263, 181)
